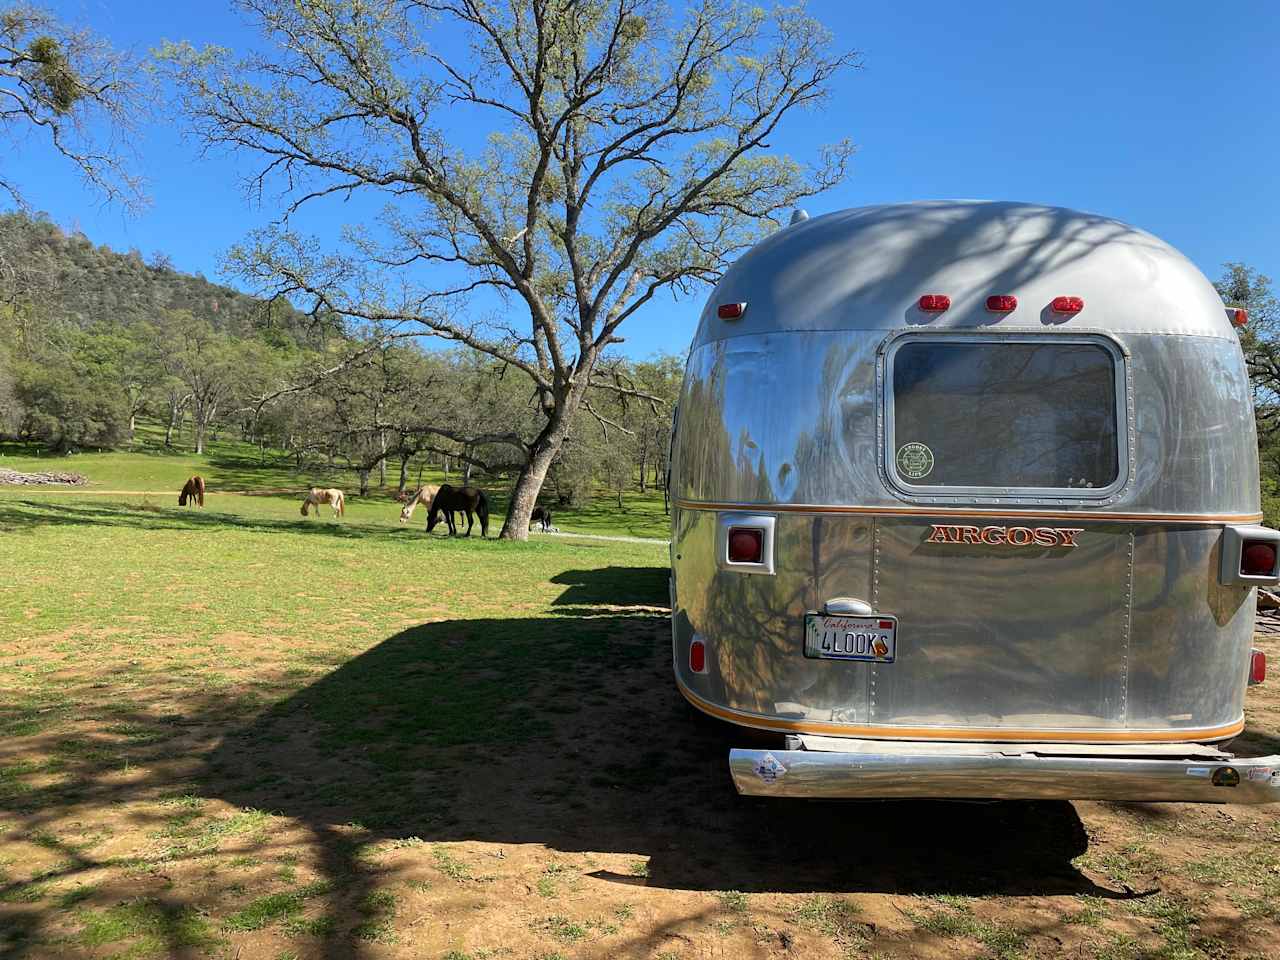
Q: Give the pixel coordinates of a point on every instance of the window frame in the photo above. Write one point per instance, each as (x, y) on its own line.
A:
(1123, 421)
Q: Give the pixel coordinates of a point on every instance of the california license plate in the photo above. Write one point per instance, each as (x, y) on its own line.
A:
(850, 638)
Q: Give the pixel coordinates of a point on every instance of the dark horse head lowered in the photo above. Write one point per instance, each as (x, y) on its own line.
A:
(466, 500)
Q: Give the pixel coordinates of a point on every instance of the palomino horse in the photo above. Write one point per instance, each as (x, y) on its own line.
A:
(193, 492)
(331, 496)
(424, 495)
(462, 500)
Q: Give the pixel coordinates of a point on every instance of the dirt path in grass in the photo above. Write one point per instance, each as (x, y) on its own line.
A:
(599, 536)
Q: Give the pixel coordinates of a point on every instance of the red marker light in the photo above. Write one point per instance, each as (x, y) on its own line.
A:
(1067, 304)
(746, 545)
(1239, 317)
(935, 302)
(886, 624)
(1002, 304)
(1257, 666)
(1258, 558)
(698, 657)
(731, 311)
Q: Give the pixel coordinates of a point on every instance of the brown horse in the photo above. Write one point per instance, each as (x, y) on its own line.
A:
(193, 491)
(449, 500)
(331, 496)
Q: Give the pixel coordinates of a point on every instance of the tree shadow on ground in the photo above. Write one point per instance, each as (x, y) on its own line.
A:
(564, 731)
(21, 514)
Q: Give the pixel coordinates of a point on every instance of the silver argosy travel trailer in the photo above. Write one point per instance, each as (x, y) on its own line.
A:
(965, 504)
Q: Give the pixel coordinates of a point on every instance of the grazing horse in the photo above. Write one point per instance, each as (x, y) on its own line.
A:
(193, 492)
(541, 515)
(331, 496)
(424, 495)
(449, 500)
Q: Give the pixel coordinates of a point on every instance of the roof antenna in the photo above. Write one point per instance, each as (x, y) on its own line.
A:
(798, 215)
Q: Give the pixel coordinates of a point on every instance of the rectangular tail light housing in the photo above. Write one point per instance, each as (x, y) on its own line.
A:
(744, 542)
(1250, 556)
(1257, 666)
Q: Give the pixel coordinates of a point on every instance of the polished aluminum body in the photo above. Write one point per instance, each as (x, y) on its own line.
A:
(1126, 635)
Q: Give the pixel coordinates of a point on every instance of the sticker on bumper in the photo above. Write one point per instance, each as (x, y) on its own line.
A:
(770, 769)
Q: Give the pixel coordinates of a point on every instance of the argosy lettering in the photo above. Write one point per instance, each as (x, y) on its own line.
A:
(1002, 536)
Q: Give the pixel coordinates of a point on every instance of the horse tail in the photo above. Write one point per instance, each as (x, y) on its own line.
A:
(342, 505)
(482, 508)
(200, 490)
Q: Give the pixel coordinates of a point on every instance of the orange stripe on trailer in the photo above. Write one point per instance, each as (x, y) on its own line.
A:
(1191, 518)
(986, 735)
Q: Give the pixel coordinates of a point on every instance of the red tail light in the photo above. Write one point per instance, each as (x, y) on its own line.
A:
(935, 302)
(1067, 304)
(1002, 304)
(746, 545)
(698, 656)
(1258, 558)
(731, 311)
(1239, 317)
(1257, 666)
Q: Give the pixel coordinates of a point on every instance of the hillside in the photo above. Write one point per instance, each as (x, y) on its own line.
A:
(67, 278)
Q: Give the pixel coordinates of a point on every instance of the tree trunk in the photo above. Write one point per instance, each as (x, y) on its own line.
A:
(404, 473)
(364, 481)
(466, 468)
(173, 422)
(198, 423)
(524, 496)
(133, 427)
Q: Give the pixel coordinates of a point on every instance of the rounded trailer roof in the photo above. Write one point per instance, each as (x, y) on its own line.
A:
(866, 268)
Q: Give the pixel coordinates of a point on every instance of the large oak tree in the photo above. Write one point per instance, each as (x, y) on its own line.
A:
(628, 153)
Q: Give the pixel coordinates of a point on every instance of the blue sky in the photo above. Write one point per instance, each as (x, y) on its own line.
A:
(1159, 114)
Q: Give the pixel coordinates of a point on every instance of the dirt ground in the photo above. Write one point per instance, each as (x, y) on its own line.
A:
(616, 834)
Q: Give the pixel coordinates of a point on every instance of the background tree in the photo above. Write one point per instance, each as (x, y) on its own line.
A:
(1243, 286)
(628, 155)
(73, 88)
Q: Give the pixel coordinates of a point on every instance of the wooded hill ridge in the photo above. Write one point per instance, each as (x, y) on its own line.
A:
(65, 276)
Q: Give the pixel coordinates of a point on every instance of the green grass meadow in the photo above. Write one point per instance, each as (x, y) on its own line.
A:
(240, 733)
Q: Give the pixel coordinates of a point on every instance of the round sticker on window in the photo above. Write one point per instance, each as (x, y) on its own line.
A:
(915, 460)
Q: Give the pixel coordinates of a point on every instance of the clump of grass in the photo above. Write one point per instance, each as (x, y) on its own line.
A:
(733, 900)
(548, 884)
(561, 928)
(625, 912)
(276, 907)
(77, 895)
(1003, 942)
(155, 927)
(319, 927)
(1126, 864)
(1117, 947)
(451, 867)
(33, 891)
(640, 868)
(1175, 922)
(266, 910)
(833, 917)
(379, 906)
(1093, 910)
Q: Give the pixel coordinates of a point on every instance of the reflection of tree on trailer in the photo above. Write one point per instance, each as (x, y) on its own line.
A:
(965, 505)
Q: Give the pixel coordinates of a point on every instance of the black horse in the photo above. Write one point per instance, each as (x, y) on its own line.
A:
(464, 500)
(541, 515)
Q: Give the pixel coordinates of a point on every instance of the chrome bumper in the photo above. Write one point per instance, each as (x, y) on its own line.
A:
(834, 768)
